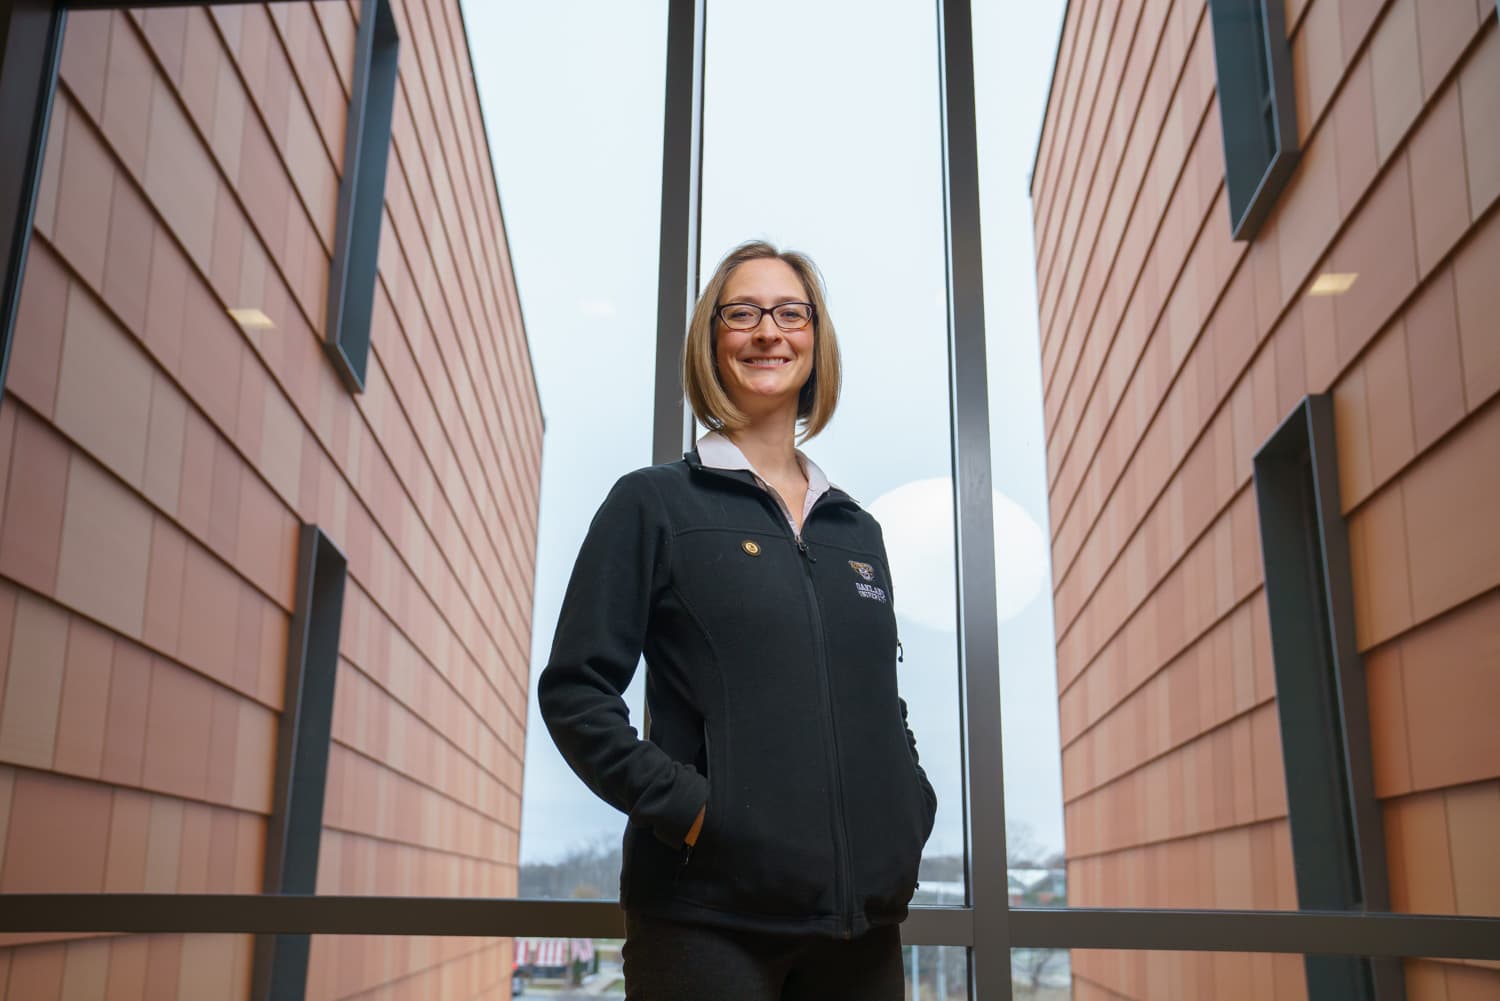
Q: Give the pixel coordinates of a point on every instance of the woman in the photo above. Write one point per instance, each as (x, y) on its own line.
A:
(778, 810)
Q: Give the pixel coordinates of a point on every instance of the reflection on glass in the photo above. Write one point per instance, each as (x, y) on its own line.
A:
(860, 191)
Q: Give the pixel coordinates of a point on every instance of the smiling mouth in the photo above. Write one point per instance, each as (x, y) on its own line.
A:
(765, 362)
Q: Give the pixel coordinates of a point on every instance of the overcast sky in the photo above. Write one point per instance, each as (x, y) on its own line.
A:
(821, 134)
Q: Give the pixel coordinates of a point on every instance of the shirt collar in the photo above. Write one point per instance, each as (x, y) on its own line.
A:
(716, 451)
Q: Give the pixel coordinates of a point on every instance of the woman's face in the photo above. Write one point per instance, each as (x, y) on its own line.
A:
(763, 369)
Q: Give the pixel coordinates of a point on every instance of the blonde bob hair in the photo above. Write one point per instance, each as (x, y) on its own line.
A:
(700, 371)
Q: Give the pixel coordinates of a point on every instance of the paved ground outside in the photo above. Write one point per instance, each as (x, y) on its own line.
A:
(606, 985)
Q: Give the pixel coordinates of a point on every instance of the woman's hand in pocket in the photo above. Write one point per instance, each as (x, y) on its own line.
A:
(692, 834)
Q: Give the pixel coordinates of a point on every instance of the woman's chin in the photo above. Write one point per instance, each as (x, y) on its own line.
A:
(757, 400)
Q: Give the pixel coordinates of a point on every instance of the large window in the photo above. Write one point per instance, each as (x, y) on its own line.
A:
(882, 188)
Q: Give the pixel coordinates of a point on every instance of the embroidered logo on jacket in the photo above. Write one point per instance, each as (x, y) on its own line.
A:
(863, 569)
(869, 591)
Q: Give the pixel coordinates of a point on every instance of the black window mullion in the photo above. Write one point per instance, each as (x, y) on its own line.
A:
(982, 753)
(681, 216)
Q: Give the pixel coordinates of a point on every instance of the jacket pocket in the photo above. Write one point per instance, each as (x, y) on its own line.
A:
(889, 824)
(766, 846)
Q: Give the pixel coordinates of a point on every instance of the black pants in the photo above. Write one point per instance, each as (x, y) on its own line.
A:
(672, 961)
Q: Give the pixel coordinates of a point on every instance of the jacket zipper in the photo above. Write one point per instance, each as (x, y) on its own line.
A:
(841, 842)
(842, 834)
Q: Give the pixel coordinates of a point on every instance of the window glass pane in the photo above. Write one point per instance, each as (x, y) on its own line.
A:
(839, 156)
(1040, 974)
(936, 972)
(574, 102)
(176, 418)
(173, 416)
(1013, 49)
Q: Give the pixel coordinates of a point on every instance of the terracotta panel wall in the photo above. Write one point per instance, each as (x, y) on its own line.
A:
(156, 459)
(1169, 355)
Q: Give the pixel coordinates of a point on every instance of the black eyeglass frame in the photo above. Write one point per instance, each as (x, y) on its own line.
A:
(761, 311)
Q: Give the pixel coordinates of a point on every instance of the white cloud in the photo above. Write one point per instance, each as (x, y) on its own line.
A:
(917, 519)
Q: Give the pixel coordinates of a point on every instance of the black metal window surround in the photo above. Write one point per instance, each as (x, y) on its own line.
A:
(986, 924)
(1257, 107)
(367, 143)
(295, 831)
(1338, 845)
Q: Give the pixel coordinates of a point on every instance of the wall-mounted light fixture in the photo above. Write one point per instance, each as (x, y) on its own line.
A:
(252, 319)
(1330, 283)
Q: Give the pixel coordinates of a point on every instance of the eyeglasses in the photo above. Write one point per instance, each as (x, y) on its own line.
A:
(746, 315)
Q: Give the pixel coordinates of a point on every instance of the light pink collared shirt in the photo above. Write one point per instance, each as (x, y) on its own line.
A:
(717, 451)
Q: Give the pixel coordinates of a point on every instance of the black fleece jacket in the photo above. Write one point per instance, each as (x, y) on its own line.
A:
(771, 683)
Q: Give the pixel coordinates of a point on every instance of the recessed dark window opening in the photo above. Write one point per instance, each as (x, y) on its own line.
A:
(31, 34)
(1338, 846)
(295, 829)
(1257, 107)
(367, 143)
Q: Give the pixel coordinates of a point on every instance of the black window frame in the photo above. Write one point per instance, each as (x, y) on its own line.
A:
(1257, 107)
(353, 271)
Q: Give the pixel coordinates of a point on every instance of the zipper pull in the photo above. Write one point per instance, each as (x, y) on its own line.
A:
(900, 651)
(802, 548)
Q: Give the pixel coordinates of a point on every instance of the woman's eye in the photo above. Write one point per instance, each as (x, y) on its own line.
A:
(741, 314)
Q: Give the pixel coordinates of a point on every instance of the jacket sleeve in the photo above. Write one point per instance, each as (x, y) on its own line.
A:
(601, 628)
